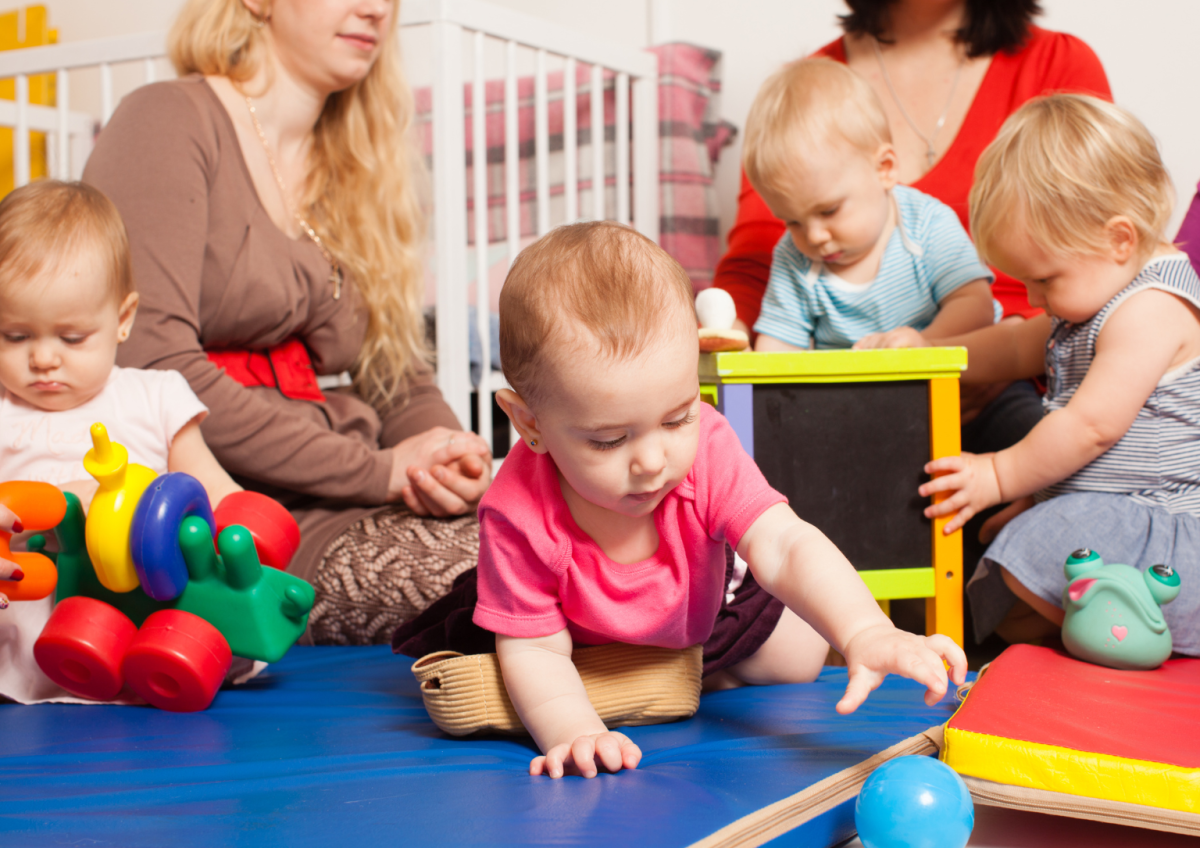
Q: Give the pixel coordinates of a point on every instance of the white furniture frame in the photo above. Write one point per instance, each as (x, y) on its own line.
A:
(454, 24)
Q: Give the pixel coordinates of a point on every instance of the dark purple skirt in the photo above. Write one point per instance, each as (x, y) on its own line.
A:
(742, 625)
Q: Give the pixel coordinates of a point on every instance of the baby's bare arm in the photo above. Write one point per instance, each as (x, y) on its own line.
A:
(797, 563)
(965, 309)
(548, 694)
(770, 343)
(190, 454)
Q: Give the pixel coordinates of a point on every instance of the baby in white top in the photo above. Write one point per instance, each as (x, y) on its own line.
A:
(66, 302)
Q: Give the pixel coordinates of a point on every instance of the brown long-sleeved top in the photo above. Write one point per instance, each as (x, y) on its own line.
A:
(214, 271)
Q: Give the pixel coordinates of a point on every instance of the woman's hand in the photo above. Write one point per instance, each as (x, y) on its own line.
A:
(612, 750)
(440, 472)
(881, 650)
(9, 523)
(972, 479)
(899, 337)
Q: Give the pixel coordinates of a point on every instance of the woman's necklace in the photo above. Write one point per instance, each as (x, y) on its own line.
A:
(930, 151)
(335, 269)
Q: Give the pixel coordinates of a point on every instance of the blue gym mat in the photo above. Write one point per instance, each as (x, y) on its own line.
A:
(332, 747)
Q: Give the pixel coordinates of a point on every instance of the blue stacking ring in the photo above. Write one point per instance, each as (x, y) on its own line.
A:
(154, 535)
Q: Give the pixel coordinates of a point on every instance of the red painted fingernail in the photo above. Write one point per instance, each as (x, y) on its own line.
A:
(18, 527)
(17, 574)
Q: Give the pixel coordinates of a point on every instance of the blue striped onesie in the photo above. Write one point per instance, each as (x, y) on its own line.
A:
(1157, 462)
(928, 256)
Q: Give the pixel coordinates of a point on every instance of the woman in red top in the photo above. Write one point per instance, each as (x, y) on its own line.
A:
(949, 72)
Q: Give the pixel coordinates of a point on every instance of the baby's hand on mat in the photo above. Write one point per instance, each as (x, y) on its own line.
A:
(899, 337)
(883, 649)
(971, 478)
(613, 751)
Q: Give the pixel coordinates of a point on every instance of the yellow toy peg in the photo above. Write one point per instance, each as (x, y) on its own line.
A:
(111, 513)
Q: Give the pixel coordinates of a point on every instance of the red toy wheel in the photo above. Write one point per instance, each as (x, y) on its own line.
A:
(82, 645)
(276, 534)
(177, 661)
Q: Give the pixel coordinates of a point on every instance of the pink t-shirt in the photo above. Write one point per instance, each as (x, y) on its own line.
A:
(539, 573)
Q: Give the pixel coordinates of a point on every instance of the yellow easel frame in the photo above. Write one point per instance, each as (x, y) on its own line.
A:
(941, 583)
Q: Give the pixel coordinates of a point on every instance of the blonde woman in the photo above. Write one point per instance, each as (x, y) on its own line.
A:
(276, 235)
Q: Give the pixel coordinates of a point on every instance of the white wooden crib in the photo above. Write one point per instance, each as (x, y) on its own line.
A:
(461, 46)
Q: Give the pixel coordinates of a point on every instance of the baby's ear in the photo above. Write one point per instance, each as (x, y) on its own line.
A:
(887, 165)
(1122, 236)
(126, 313)
(522, 418)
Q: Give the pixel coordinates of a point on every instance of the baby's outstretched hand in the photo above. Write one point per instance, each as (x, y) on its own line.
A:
(971, 478)
(883, 649)
(611, 750)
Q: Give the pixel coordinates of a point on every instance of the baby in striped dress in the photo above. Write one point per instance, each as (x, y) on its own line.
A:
(1072, 199)
(865, 262)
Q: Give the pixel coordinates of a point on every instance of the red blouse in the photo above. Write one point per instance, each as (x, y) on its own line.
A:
(1049, 62)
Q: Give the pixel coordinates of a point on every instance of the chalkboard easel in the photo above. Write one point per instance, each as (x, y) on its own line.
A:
(845, 434)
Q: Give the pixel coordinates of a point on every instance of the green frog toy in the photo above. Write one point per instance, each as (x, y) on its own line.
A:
(1113, 616)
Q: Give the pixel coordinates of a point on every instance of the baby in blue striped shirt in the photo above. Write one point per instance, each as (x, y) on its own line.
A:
(865, 262)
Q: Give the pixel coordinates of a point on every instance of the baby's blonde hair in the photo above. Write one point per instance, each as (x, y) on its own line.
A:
(803, 105)
(1070, 163)
(603, 277)
(45, 222)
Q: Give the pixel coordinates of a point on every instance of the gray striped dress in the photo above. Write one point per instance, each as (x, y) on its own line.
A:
(1138, 503)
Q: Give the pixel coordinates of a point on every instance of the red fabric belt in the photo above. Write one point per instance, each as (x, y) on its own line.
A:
(287, 367)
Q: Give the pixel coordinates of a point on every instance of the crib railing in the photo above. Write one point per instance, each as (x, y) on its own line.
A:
(636, 109)
(461, 31)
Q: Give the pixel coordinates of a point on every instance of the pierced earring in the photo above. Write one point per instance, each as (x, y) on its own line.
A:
(533, 443)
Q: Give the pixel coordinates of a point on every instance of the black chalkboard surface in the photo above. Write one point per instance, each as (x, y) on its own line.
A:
(849, 457)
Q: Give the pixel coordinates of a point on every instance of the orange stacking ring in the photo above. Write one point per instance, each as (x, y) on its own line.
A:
(40, 506)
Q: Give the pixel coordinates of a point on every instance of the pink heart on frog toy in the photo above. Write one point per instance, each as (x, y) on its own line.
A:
(1120, 631)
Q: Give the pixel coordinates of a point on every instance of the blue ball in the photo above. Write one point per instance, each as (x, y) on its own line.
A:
(914, 802)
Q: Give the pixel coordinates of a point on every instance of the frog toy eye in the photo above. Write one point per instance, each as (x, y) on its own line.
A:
(1163, 582)
(1081, 562)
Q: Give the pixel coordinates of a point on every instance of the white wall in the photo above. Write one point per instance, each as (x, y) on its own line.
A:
(1148, 51)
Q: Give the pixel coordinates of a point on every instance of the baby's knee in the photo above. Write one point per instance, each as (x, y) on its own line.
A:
(1047, 610)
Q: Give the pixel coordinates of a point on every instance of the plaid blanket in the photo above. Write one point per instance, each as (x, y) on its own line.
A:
(691, 139)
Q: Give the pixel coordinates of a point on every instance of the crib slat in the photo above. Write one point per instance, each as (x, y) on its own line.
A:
(597, 143)
(570, 143)
(541, 133)
(645, 155)
(623, 148)
(62, 94)
(150, 72)
(450, 219)
(483, 298)
(21, 136)
(512, 164)
(106, 92)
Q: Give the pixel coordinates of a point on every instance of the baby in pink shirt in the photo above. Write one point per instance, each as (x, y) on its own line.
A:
(609, 523)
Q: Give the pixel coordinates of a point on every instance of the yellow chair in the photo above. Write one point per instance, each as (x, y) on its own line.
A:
(845, 434)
